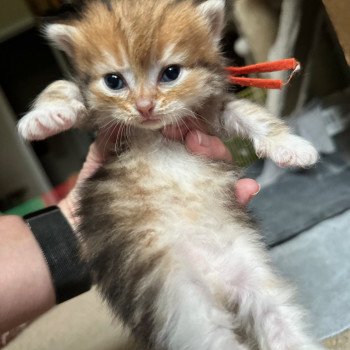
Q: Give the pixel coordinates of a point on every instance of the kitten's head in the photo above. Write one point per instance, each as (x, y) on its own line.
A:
(147, 63)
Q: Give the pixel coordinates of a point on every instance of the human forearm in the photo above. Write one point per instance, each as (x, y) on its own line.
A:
(26, 289)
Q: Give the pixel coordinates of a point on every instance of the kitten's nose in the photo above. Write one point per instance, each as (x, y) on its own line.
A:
(145, 106)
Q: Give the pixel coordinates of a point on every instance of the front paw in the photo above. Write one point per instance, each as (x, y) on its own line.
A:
(50, 119)
(288, 151)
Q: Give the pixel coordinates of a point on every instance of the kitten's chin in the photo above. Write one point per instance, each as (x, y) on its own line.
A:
(151, 124)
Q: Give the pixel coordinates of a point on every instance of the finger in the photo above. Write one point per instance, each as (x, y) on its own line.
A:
(246, 189)
(208, 146)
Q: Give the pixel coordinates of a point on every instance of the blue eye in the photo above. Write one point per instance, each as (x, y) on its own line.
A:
(114, 81)
(170, 73)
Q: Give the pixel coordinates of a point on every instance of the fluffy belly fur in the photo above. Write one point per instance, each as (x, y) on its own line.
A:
(174, 255)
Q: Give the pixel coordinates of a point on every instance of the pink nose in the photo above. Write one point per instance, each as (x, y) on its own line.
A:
(145, 107)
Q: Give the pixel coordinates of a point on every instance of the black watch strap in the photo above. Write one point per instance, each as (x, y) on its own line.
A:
(60, 247)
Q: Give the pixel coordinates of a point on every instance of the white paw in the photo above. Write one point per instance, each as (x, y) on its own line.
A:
(50, 119)
(288, 151)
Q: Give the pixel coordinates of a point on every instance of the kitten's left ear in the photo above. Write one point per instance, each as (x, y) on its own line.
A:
(214, 12)
(63, 36)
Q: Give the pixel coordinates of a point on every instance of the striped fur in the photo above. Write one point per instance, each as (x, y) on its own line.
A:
(137, 42)
(172, 252)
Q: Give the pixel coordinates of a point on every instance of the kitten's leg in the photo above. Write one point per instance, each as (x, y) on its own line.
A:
(264, 301)
(57, 109)
(194, 320)
(164, 301)
(270, 136)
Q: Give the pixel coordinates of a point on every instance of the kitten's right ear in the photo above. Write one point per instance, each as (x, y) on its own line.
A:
(62, 36)
(214, 12)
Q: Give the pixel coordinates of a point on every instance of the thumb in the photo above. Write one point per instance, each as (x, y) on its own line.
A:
(209, 146)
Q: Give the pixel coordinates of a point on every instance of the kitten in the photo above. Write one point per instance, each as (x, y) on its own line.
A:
(172, 252)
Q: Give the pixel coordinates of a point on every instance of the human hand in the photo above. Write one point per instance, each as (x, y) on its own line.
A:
(196, 142)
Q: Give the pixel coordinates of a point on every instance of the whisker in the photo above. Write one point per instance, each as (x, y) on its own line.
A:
(128, 138)
(105, 125)
(179, 126)
(112, 128)
(110, 135)
(119, 138)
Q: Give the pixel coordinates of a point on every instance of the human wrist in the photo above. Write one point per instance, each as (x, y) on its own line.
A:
(60, 247)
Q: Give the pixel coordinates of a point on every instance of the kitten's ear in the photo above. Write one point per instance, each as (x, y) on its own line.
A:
(62, 36)
(214, 12)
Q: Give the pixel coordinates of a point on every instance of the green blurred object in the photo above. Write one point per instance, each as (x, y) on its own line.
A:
(242, 150)
(27, 207)
(253, 94)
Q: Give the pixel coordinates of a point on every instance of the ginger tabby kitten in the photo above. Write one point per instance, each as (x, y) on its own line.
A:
(173, 254)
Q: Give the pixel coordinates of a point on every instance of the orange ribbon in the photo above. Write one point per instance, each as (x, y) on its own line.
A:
(281, 65)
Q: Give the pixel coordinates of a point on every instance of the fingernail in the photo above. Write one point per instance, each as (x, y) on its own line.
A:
(203, 139)
(256, 193)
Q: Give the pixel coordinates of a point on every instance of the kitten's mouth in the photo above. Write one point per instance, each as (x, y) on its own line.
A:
(151, 123)
(181, 127)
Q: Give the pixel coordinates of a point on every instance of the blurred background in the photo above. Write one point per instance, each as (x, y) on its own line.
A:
(304, 214)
